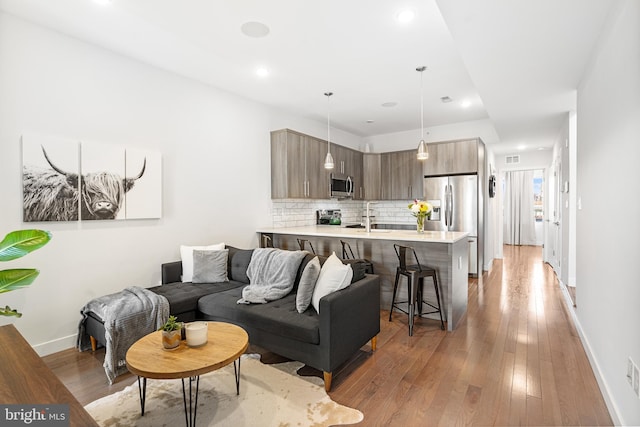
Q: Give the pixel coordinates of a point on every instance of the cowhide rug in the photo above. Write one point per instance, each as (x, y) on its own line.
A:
(270, 395)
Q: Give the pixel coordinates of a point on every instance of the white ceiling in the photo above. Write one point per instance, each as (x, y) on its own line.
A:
(518, 62)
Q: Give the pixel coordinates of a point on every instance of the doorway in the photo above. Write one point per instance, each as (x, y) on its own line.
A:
(524, 207)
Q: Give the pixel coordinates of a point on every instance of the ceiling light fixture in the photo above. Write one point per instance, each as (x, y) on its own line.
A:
(262, 72)
(423, 153)
(405, 16)
(102, 2)
(328, 160)
(466, 103)
(389, 104)
(254, 29)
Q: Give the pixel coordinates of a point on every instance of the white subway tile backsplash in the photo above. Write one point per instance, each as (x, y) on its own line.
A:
(298, 213)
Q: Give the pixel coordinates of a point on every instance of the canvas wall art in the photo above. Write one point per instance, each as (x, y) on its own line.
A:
(69, 181)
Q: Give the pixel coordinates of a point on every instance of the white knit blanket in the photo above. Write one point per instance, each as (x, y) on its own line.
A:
(272, 273)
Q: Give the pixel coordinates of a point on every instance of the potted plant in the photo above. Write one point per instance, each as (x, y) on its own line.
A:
(16, 245)
(171, 333)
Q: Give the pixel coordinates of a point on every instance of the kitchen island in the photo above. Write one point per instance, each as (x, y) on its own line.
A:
(447, 252)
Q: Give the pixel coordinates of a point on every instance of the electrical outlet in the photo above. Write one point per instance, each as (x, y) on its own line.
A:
(630, 365)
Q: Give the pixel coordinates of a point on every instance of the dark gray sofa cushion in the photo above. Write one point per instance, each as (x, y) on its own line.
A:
(278, 317)
(238, 263)
(183, 297)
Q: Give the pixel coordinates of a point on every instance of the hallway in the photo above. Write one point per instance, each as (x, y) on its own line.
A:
(515, 360)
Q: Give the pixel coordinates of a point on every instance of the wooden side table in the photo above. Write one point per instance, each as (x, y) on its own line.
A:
(146, 358)
(27, 380)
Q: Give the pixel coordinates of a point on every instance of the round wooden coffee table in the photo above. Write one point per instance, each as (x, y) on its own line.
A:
(146, 358)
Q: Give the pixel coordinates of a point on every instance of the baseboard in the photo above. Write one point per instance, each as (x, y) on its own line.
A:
(602, 384)
(54, 346)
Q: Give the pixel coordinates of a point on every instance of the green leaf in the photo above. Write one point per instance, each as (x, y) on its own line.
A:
(21, 242)
(17, 278)
(8, 311)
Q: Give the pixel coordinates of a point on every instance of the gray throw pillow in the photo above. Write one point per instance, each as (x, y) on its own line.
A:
(307, 284)
(210, 266)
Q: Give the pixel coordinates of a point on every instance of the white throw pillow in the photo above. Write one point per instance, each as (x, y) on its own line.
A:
(334, 276)
(186, 255)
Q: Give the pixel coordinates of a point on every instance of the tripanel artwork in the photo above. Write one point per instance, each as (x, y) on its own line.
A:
(64, 180)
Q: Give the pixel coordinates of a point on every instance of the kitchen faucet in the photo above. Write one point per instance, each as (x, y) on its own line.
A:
(367, 220)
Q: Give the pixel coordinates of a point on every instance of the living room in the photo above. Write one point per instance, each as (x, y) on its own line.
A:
(55, 84)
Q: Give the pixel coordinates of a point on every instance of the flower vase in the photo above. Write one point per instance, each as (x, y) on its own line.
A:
(420, 224)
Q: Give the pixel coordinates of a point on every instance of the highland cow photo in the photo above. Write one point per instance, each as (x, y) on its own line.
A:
(67, 181)
(48, 193)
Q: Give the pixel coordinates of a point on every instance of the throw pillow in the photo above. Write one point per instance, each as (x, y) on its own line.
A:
(186, 255)
(307, 284)
(334, 276)
(210, 266)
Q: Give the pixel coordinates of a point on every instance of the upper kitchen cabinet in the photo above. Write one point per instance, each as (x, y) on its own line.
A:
(348, 162)
(297, 166)
(372, 176)
(405, 175)
(452, 157)
(392, 176)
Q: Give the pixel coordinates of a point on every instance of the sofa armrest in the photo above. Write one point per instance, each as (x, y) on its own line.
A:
(349, 318)
(171, 272)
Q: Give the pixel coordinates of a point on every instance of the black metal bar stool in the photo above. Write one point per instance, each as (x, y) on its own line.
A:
(415, 275)
(347, 253)
(267, 241)
(303, 242)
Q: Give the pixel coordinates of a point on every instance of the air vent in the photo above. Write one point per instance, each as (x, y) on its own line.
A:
(512, 160)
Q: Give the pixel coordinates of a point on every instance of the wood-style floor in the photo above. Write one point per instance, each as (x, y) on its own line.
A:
(515, 360)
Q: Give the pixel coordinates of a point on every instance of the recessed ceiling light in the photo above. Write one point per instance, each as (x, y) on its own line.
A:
(262, 72)
(465, 104)
(389, 104)
(522, 147)
(405, 16)
(370, 121)
(102, 2)
(254, 29)
(541, 148)
(445, 99)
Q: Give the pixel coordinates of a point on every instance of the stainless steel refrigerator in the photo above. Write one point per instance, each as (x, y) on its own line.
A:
(455, 208)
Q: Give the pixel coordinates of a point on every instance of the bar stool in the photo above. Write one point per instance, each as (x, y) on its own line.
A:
(349, 255)
(415, 275)
(267, 241)
(303, 242)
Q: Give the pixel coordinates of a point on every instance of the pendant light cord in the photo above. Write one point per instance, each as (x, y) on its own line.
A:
(421, 69)
(328, 95)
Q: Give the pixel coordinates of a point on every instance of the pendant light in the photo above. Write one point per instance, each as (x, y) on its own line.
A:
(328, 160)
(423, 154)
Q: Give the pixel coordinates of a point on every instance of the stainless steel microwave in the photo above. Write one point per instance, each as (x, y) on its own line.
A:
(342, 186)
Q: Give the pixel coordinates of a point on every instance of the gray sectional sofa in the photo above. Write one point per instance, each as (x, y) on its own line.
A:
(349, 317)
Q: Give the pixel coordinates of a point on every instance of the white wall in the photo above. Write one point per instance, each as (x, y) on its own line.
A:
(409, 139)
(215, 147)
(608, 129)
(492, 239)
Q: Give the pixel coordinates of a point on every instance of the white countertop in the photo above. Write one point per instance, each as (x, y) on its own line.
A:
(360, 233)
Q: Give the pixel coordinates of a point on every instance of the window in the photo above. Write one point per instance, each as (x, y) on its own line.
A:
(538, 193)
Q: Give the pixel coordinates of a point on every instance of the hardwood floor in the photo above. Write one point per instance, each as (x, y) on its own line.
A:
(515, 360)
